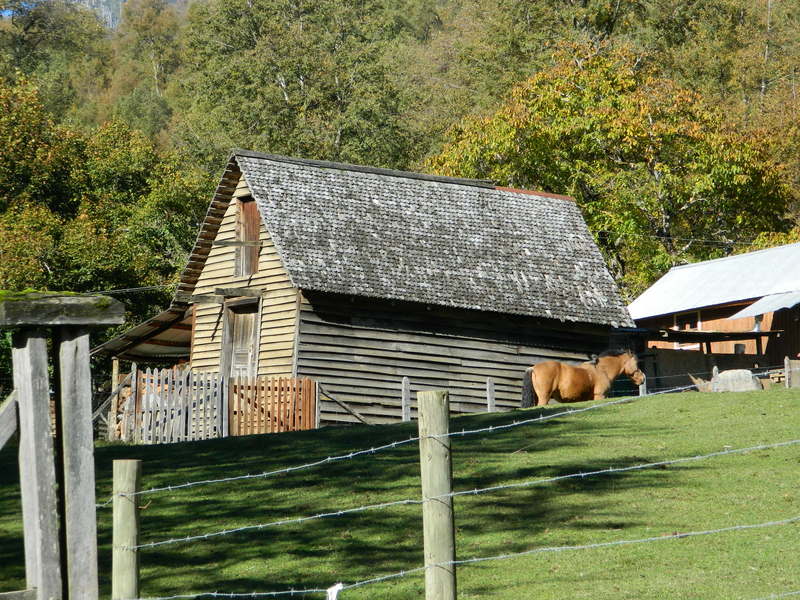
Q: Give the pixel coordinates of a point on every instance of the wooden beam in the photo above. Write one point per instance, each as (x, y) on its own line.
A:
(349, 409)
(207, 299)
(248, 292)
(20, 595)
(37, 464)
(172, 325)
(80, 518)
(236, 243)
(57, 309)
(8, 418)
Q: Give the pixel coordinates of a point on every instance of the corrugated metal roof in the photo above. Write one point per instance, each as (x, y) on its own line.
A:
(721, 281)
(769, 304)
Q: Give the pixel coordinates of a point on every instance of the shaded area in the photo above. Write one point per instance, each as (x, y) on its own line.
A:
(318, 553)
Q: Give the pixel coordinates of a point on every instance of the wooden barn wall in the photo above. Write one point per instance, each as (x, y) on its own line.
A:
(360, 350)
(716, 319)
(278, 303)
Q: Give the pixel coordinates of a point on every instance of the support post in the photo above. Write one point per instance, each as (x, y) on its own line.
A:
(405, 400)
(37, 471)
(490, 401)
(112, 414)
(124, 558)
(437, 511)
(787, 372)
(317, 406)
(78, 454)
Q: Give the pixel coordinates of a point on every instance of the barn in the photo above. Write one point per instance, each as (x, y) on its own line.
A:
(357, 277)
(741, 311)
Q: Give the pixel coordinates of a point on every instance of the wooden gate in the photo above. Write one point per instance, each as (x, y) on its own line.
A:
(176, 405)
(265, 405)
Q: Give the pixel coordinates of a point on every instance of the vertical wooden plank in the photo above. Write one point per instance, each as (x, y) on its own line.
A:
(78, 455)
(137, 405)
(147, 412)
(225, 406)
(273, 414)
(297, 398)
(436, 472)
(114, 410)
(405, 400)
(37, 464)
(204, 406)
(186, 403)
(281, 406)
(490, 398)
(317, 407)
(787, 372)
(262, 404)
(125, 559)
(306, 405)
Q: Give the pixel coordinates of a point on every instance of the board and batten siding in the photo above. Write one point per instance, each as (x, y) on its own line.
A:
(359, 350)
(278, 309)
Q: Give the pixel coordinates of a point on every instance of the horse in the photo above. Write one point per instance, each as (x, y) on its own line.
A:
(587, 381)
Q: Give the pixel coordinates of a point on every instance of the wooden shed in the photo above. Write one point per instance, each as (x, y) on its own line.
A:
(357, 277)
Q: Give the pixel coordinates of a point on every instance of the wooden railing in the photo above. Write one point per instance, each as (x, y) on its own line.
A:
(263, 405)
(175, 405)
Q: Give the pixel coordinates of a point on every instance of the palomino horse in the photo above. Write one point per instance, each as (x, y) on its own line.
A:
(587, 381)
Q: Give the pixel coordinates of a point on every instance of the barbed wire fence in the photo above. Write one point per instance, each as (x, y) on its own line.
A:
(333, 591)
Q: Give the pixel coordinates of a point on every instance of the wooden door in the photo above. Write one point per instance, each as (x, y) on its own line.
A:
(241, 343)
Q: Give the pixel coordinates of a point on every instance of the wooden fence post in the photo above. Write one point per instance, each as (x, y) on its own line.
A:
(37, 472)
(317, 406)
(57, 475)
(787, 372)
(490, 401)
(124, 557)
(437, 481)
(405, 400)
(78, 448)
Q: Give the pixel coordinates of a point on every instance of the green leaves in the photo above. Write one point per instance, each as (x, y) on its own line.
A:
(660, 177)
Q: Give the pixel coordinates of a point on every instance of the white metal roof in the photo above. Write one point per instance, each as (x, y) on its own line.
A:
(713, 282)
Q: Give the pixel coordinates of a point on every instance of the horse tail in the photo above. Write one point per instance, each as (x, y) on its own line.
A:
(527, 389)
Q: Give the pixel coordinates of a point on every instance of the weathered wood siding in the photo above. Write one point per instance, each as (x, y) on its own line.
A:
(278, 302)
(359, 350)
(716, 319)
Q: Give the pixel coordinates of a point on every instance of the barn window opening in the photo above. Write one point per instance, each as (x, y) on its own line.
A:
(248, 225)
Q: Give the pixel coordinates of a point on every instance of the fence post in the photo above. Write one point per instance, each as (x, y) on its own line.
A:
(57, 473)
(436, 470)
(124, 557)
(490, 401)
(37, 464)
(787, 372)
(405, 400)
(78, 447)
(317, 406)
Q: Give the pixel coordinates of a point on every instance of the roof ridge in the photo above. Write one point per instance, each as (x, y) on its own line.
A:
(325, 164)
(732, 256)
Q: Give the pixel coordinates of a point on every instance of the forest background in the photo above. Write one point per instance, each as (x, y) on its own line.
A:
(673, 123)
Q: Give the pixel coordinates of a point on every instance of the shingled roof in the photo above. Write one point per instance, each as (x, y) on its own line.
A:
(407, 236)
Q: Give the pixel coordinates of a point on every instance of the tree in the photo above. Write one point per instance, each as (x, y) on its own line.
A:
(297, 77)
(660, 177)
(89, 212)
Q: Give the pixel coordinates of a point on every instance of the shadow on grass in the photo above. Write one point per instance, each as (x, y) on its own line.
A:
(317, 553)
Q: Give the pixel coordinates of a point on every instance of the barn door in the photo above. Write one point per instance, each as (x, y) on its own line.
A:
(240, 342)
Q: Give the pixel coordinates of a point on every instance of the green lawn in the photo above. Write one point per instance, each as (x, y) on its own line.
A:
(715, 493)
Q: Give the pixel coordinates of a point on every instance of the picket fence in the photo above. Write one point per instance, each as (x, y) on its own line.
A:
(172, 405)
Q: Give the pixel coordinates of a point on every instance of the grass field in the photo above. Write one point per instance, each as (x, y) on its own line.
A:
(718, 492)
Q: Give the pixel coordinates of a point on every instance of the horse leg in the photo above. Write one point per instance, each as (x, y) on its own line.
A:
(542, 390)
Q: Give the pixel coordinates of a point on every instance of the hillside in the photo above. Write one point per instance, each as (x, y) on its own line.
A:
(719, 492)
